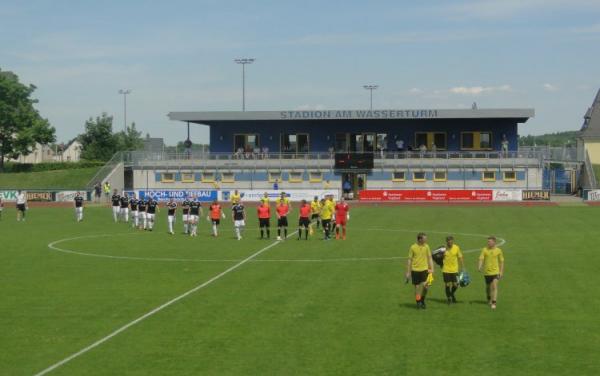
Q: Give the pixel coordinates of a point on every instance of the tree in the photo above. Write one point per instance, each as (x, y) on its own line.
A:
(98, 142)
(131, 139)
(21, 125)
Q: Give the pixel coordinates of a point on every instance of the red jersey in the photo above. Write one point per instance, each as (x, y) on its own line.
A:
(305, 211)
(341, 210)
(282, 210)
(215, 211)
(264, 211)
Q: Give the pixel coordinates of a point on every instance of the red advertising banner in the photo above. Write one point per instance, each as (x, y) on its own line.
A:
(426, 195)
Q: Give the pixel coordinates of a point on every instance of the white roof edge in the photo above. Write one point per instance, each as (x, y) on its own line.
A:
(353, 114)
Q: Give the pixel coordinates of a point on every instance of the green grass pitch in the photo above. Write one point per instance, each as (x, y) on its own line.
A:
(344, 310)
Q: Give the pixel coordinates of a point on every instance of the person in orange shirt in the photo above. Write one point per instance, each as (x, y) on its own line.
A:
(215, 215)
(282, 210)
(304, 221)
(264, 219)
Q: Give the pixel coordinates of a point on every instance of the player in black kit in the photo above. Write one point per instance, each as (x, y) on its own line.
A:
(171, 209)
(151, 212)
(78, 207)
(116, 205)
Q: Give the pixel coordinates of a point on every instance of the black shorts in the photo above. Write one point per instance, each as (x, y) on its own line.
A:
(419, 277)
(21, 207)
(325, 222)
(282, 222)
(216, 221)
(490, 278)
(264, 222)
(303, 222)
(314, 216)
(450, 277)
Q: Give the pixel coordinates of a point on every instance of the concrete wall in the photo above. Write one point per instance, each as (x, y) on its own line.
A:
(116, 178)
(593, 149)
(527, 178)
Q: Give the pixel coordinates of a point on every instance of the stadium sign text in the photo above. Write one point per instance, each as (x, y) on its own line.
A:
(359, 114)
(8, 195)
(179, 195)
(536, 195)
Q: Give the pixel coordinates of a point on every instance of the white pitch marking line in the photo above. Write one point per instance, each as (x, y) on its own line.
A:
(353, 259)
(156, 310)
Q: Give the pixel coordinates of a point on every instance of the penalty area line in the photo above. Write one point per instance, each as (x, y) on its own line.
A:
(157, 309)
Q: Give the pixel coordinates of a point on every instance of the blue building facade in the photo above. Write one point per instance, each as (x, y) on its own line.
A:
(361, 131)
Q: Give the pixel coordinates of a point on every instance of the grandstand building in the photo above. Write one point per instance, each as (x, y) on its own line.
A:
(425, 149)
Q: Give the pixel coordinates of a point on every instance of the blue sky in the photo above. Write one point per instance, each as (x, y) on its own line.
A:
(178, 56)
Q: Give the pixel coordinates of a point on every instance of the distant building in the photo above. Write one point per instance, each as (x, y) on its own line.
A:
(153, 145)
(589, 136)
(70, 153)
(39, 154)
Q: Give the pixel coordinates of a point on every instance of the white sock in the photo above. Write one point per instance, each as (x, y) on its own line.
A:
(170, 226)
(185, 228)
(215, 230)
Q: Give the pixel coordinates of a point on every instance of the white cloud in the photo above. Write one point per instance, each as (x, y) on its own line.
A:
(550, 87)
(415, 90)
(478, 90)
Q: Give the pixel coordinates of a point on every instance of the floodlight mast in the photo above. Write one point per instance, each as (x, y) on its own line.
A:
(125, 92)
(243, 62)
(371, 88)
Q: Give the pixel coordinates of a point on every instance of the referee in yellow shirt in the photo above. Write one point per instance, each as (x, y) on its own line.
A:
(491, 263)
(418, 267)
(452, 258)
(235, 198)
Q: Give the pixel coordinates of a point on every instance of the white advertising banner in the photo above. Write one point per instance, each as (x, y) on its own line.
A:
(66, 196)
(292, 194)
(8, 196)
(507, 195)
(593, 195)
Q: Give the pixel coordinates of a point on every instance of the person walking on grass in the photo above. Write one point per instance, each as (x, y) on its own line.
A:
(21, 206)
(491, 263)
(453, 258)
(418, 268)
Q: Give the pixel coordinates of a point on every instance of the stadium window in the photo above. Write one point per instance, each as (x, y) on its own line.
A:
(382, 141)
(315, 176)
(274, 176)
(227, 177)
(245, 142)
(294, 143)
(419, 176)
(488, 176)
(369, 142)
(476, 140)
(431, 138)
(509, 176)
(187, 177)
(398, 176)
(341, 142)
(208, 177)
(440, 176)
(167, 177)
(295, 176)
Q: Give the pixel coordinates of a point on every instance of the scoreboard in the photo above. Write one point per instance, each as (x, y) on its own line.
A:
(354, 161)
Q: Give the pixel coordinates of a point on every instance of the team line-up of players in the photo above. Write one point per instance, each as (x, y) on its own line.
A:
(321, 211)
(326, 212)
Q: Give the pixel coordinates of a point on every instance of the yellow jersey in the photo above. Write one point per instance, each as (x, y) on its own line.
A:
(491, 260)
(326, 211)
(235, 198)
(419, 254)
(284, 200)
(265, 200)
(315, 207)
(451, 257)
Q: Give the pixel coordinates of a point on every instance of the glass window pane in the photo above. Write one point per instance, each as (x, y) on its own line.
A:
(341, 143)
(420, 139)
(485, 140)
(467, 140)
(439, 139)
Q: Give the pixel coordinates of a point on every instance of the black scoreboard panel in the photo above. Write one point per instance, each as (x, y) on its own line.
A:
(348, 161)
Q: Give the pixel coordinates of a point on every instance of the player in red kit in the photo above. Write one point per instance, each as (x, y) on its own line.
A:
(342, 215)
(264, 219)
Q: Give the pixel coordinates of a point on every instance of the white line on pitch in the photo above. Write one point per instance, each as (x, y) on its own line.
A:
(155, 310)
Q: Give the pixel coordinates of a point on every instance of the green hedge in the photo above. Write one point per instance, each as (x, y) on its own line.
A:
(49, 166)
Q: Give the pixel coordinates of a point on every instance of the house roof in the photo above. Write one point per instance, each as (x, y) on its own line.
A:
(591, 120)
